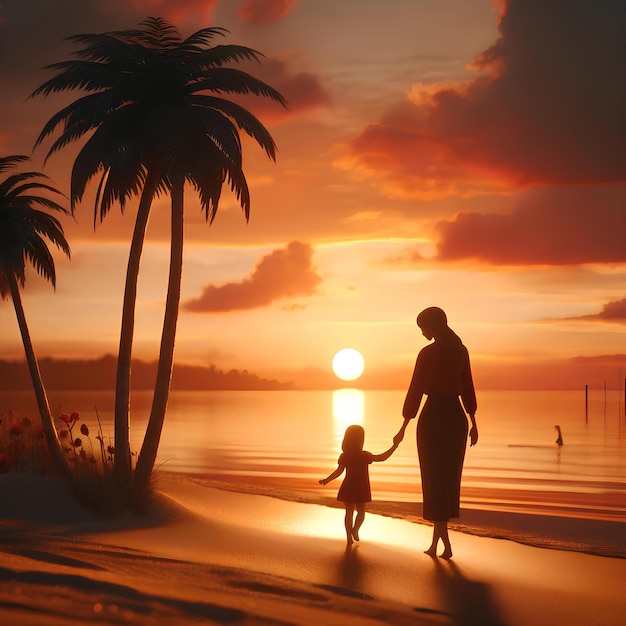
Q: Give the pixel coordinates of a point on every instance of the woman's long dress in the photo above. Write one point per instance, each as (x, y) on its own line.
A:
(442, 372)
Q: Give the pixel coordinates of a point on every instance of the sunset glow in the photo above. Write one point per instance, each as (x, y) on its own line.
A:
(447, 167)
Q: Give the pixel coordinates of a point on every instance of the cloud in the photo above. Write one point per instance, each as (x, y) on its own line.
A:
(265, 11)
(284, 273)
(303, 91)
(611, 312)
(550, 227)
(547, 107)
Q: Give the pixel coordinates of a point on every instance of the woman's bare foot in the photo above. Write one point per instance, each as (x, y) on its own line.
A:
(349, 540)
(447, 554)
(355, 534)
(432, 551)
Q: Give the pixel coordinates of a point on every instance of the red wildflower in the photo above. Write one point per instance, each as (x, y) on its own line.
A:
(110, 450)
(65, 417)
(63, 434)
(84, 430)
(78, 442)
(75, 416)
(26, 422)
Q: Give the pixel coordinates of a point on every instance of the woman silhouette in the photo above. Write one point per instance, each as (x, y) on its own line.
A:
(442, 373)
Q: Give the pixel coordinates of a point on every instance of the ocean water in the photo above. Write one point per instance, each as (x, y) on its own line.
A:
(290, 439)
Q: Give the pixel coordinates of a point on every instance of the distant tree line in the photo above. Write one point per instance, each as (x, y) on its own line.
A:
(99, 374)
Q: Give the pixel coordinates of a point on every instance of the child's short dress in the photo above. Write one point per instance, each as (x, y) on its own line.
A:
(356, 484)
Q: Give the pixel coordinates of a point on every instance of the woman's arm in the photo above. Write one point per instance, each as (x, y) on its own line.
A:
(338, 472)
(414, 393)
(399, 436)
(412, 400)
(386, 454)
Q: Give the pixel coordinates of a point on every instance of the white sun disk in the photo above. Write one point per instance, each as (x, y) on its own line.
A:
(348, 364)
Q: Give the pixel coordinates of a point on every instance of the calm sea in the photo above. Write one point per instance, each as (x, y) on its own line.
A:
(290, 439)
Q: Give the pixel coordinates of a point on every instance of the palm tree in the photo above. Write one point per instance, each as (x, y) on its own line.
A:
(23, 230)
(156, 119)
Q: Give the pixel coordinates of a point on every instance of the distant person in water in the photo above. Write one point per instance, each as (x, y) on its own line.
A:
(442, 373)
(559, 439)
(355, 489)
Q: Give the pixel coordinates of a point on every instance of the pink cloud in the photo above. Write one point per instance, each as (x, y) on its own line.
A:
(551, 227)
(284, 273)
(548, 108)
(265, 11)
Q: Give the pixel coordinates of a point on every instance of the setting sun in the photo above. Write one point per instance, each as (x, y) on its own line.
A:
(348, 364)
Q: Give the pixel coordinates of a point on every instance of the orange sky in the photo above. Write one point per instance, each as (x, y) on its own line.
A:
(464, 154)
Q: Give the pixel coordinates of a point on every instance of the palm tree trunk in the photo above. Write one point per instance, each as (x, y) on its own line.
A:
(122, 382)
(49, 429)
(147, 456)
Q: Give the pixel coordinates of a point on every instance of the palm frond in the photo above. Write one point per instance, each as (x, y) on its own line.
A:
(217, 56)
(9, 162)
(203, 37)
(245, 120)
(229, 80)
(24, 229)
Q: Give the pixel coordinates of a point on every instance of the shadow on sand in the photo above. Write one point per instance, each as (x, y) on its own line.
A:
(464, 602)
(467, 602)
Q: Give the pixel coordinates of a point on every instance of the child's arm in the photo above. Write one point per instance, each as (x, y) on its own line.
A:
(338, 472)
(386, 454)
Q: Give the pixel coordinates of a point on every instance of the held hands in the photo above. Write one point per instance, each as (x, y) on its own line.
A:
(398, 438)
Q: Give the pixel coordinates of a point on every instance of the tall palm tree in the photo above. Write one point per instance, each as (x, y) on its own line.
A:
(156, 119)
(23, 231)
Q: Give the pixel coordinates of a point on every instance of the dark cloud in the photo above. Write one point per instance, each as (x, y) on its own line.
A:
(265, 11)
(551, 227)
(303, 91)
(548, 107)
(611, 312)
(284, 273)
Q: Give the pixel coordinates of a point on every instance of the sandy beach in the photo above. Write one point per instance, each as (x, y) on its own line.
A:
(207, 555)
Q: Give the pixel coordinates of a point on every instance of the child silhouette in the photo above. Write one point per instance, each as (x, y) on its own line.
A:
(355, 489)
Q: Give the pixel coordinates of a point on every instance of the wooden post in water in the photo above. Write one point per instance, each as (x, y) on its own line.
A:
(586, 403)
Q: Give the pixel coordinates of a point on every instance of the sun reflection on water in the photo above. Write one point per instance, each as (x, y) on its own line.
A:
(348, 409)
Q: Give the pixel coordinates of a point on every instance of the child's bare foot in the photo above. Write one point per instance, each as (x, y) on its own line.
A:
(349, 540)
(355, 534)
(432, 551)
(447, 554)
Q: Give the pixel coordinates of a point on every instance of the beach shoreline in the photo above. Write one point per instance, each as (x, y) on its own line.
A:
(598, 537)
(220, 556)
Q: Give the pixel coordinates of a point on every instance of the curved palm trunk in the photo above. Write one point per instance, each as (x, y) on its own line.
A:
(123, 465)
(49, 429)
(147, 456)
